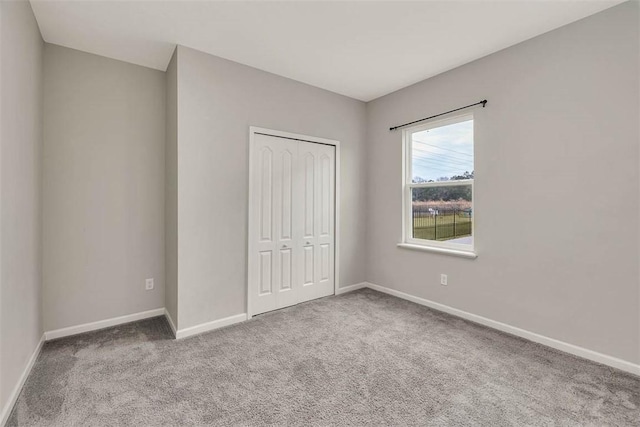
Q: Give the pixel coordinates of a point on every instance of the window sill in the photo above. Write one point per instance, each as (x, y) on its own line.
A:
(444, 251)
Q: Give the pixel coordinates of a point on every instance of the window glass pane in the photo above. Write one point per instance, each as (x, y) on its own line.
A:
(443, 154)
(443, 214)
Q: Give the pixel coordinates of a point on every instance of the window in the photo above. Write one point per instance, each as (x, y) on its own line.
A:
(438, 184)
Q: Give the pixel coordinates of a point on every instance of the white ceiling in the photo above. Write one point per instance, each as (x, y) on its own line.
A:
(359, 49)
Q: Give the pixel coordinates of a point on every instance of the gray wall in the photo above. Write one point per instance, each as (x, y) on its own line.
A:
(217, 102)
(20, 188)
(171, 190)
(557, 186)
(103, 167)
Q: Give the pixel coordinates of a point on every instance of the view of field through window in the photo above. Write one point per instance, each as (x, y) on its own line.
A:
(442, 178)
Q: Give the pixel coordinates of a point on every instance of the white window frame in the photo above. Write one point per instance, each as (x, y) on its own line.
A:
(407, 185)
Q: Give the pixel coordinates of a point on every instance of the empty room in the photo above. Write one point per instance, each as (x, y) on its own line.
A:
(320, 213)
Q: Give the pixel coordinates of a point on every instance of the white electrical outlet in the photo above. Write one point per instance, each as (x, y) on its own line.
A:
(443, 279)
(148, 284)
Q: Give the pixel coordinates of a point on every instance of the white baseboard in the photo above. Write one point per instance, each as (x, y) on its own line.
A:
(13, 397)
(351, 288)
(531, 336)
(231, 320)
(101, 324)
(171, 323)
(210, 326)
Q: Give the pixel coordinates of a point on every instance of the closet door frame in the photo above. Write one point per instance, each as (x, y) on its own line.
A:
(253, 130)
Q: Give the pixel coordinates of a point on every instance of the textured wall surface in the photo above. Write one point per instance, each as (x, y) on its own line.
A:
(557, 186)
(171, 191)
(21, 94)
(103, 167)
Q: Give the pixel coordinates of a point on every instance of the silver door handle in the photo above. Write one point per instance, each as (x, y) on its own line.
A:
(308, 243)
(284, 246)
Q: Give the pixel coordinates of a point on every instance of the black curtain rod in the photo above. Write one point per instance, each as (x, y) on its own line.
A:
(483, 102)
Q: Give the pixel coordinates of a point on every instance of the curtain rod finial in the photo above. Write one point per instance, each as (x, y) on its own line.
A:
(484, 103)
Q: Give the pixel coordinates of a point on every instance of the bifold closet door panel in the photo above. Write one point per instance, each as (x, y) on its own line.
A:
(317, 171)
(272, 271)
(326, 219)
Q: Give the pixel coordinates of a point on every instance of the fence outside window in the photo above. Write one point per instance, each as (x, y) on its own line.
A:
(441, 224)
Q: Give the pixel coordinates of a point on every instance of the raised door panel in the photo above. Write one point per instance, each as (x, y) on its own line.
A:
(265, 195)
(309, 174)
(325, 192)
(325, 262)
(308, 266)
(266, 277)
(286, 271)
(286, 197)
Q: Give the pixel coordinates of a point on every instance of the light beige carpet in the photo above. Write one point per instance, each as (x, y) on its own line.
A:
(362, 358)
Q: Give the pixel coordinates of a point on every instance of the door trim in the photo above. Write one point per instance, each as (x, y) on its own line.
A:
(253, 130)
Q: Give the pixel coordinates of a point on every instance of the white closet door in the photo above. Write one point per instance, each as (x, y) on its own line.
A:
(292, 221)
(272, 270)
(317, 170)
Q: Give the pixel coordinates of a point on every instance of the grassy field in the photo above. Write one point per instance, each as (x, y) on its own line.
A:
(447, 226)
